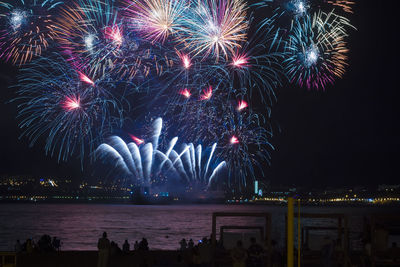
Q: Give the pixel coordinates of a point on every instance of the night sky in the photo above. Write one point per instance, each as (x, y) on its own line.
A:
(346, 135)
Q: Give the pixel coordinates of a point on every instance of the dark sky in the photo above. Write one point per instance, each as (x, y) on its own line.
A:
(348, 134)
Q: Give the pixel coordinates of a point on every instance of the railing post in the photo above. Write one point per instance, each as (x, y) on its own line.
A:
(298, 234)
(290, 233)
(214, 229)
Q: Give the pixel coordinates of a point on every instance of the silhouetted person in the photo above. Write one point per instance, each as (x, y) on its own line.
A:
(18, 247)
(143, 244)
(190, 244)
(179, 261)
(104, 250)
(381, 238)
(136, 245)
(255, 253)
(29, 246)
(183, 244)
(276, 255)
(56, 244)
(239, 255)
(394, 252)
(44, 243)
(125, 247)
(205, 252)
(327, 252)
(114, 248)
(196, 256)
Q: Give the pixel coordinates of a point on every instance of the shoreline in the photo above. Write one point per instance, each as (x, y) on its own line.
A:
(184, 203)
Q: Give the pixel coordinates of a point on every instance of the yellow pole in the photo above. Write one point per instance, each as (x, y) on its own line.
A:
(290, 234)
(298, 234)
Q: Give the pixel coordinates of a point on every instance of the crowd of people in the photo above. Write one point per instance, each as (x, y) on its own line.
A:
(201, 254)
(44, 244)
(107, 248)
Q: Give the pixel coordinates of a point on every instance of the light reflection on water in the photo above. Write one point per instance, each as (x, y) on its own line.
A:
(80, 225)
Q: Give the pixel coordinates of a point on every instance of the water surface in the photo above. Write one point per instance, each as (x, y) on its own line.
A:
(80, 225)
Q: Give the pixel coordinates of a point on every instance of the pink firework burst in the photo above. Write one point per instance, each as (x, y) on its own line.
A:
(137, 140)
(242, 104)
(234, 140)
(185, 92)
(207, 93)
(71, 103)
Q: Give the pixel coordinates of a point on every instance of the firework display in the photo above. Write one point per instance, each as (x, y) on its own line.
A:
(72, 112)
(317, 52)
(92, 69)
(147, 165)
(27, 28)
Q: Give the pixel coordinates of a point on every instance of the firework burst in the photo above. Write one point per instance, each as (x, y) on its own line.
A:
(66, 108)
(245, 146)
(216, 27)
(90, 34)
(27, 29)
(156, 19)
(346, 5)
(317, 50)
(198, 63)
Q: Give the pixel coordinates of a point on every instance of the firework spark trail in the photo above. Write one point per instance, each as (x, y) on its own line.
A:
(155, 19)
(73, 116)
(209, 158)
(198, 155)
(215, 172)
(216, 28)
(119, 145)
(243, 142)
(203, 60)
(344, 4)
(89, 31)
(186, 160)
(193, 160)
(94, 36)
(170, 167)
(248, 134)
(27, 29)
(185, 164)
(171, 146)
(177, 162)
(156, 132)
(135, 152)
(116, 156)
(147, 151)
(317, 52)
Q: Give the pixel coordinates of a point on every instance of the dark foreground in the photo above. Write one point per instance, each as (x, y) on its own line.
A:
(89, 259)
(156, 259)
